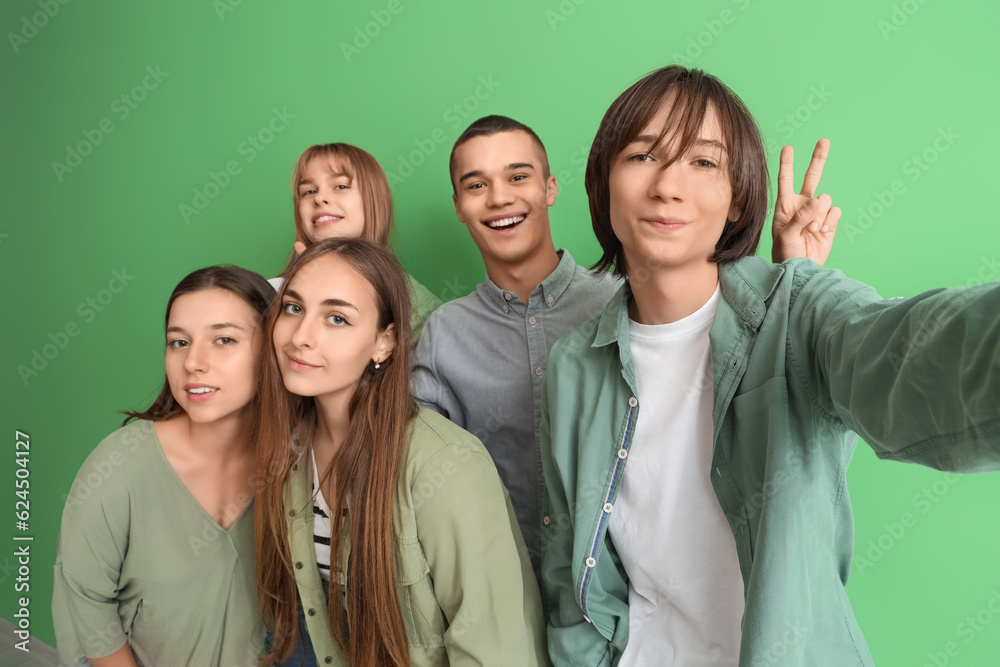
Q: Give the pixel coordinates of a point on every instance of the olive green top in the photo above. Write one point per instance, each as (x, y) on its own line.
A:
(466, 588)
(140, 561)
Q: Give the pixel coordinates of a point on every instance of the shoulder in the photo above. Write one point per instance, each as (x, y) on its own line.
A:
(433, 436)
(116, 468)
(598, 284)
(461, 309)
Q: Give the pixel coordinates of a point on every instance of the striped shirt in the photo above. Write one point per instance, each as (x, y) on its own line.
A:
(322, 531)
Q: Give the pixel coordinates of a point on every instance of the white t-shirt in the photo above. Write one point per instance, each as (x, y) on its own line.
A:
(685, 588)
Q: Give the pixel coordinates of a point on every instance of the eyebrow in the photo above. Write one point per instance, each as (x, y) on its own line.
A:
(651, 139)
(336, 303)
(478, 173)
(307, 181)
(220, 325)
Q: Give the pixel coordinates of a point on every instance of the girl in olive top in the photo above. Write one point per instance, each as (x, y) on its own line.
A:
(341, 192)
(384, 527)
(155, 560)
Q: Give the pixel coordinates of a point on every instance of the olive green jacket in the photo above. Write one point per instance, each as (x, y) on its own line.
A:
(466, 588)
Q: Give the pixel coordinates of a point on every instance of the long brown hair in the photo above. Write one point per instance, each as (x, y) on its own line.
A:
(245, 284)
(365, 468)
(690, 92)
(366, 174)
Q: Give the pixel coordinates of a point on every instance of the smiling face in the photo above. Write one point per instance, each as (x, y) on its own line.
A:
(328, 201)
(502, 195)
(327, 332)
(670, 215)
(211, 338)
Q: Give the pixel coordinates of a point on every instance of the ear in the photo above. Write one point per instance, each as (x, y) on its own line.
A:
(454, 200)
(551, 190)
(385, 344)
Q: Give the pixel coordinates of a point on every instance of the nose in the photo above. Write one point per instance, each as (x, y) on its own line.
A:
(499, 195)
(196, 359)
(668, 182)
(303, 336)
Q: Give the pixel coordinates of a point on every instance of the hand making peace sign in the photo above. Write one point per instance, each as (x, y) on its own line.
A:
(804, 225)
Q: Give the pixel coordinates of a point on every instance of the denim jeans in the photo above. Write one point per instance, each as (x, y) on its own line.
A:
(303, 647)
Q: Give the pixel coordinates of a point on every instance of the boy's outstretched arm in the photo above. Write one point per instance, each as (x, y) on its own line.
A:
(804, 225)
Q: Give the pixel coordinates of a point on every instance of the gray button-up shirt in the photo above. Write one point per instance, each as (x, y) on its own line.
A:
(481, 362)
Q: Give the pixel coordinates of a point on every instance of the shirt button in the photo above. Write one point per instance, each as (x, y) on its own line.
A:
(633, 402)
(505, 309)
(328, 660)
(295, 466)
(591, 562)
(550, 300)
(291, 512)
(507, 296)
(538, 371)
(546, 520)
(622, 453)
(311, 612)
(298, 565)
(608, 507)
(531, 321)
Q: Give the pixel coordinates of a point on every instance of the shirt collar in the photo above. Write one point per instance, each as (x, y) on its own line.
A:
(552, 287)
(746, 285)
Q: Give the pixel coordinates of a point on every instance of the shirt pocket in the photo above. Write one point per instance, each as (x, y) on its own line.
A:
(425, 622)
(757, 439)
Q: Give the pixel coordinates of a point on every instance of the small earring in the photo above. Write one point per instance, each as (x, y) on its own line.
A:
(377, 365)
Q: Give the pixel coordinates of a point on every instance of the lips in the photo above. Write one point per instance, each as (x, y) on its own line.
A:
(665, 224)
(321, 219)
(298, 364)
(505, 221)
(199, 392)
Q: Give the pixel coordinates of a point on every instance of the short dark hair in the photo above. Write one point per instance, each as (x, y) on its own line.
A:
(489, 125)
(690, 91)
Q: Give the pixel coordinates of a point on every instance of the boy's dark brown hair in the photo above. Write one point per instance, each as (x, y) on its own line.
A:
(490, 125)
(689, 93)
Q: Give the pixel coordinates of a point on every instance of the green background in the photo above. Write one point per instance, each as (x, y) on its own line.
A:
(884, 81)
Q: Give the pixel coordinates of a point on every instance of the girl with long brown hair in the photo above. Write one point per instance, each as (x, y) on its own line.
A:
(340, 191)
(155, 560)
(381, 528)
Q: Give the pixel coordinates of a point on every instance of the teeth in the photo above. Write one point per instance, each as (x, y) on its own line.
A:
(326, 218)
(505, 222)
(200, 390)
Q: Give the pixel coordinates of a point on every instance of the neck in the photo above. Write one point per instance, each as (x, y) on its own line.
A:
(224, 439)
(524, 276)
(332, 423)
(672, 293)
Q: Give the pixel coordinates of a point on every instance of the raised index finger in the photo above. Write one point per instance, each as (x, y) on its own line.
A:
(815, 170)
(786, 172)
